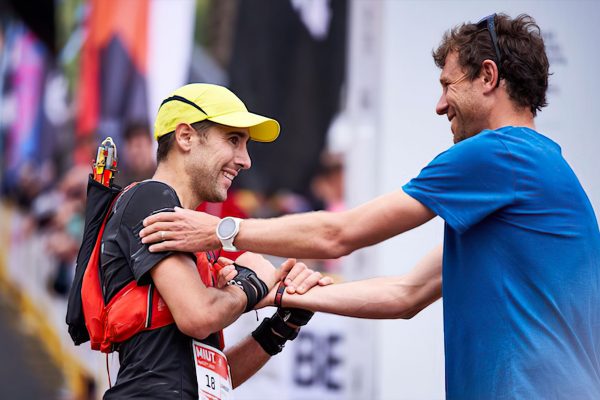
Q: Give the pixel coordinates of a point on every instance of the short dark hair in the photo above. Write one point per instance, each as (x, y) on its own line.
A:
(524, 64)
(165, 142)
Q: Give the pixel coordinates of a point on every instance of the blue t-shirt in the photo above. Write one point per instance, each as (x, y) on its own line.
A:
(521, 272)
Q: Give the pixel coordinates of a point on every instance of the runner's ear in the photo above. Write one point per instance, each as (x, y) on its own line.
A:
(183, 136)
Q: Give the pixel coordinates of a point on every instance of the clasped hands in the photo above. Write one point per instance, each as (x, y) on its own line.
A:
(296, 276)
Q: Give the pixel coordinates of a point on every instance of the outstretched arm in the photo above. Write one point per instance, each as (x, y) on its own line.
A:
(311, 235)
(379, 298)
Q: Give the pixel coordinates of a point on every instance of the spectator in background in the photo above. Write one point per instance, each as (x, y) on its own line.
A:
(63, 211)
(136, 159)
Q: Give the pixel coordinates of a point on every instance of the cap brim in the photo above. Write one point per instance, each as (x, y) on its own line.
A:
(261, 129)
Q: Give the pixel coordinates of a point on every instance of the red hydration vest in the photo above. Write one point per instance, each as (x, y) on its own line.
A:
(133, 309)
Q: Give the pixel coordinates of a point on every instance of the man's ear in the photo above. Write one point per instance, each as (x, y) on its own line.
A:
(489, 74)
(183, 136)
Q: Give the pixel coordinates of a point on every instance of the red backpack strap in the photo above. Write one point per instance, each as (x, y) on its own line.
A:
(159, 315)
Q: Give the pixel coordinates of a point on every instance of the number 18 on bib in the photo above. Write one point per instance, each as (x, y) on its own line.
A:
(212, 373)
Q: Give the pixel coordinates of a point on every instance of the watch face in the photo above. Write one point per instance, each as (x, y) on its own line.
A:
(226, 228)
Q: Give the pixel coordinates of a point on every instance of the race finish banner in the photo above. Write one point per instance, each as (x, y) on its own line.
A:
(319, 359)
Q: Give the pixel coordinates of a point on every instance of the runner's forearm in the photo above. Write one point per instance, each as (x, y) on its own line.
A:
(245, 358)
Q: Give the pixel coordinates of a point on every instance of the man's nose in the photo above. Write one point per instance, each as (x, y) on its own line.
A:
(442, 106)
(243, 159)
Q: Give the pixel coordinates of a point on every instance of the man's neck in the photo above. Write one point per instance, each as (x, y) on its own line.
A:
(514, 119)
(175, 177)
(506, 113)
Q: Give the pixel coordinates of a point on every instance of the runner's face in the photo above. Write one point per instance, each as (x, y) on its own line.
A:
(216, 159)
(459, 100)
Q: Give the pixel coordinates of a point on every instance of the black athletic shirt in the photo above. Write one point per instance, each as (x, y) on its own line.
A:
(156, 364)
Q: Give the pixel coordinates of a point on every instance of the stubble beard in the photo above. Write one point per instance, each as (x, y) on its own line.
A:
(463, 135)
(206, 189)
(459, 137)
(466, 124)
(205, 185)
(458, 133)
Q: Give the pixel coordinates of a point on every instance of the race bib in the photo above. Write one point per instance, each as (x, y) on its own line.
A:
(212, 373)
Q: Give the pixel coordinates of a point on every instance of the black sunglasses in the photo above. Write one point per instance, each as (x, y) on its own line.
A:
(488, 23)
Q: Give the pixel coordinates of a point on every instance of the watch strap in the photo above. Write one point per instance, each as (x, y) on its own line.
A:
(227, 243)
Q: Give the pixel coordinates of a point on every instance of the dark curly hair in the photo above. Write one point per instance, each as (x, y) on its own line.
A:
(523, 64)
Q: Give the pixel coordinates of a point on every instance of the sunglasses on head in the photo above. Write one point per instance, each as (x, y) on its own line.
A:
(488, 23)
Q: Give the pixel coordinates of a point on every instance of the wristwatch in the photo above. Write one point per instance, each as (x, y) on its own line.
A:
(227, 229)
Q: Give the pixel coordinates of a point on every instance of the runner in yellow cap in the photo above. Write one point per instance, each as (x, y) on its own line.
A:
(202, 132)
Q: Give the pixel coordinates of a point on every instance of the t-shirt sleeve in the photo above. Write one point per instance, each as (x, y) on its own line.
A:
(468, 182)
(150, 197)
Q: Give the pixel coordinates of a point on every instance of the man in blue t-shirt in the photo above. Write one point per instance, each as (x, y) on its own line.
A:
(520, 264)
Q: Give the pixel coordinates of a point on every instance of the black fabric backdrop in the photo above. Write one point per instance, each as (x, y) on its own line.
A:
(279, 70)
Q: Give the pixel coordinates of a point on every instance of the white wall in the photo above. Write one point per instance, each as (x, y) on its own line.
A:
(406, 133)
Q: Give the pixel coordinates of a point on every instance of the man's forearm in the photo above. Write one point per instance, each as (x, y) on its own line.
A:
(311, 235)
(245, 358)
(378, 298)
(325, 234)
(225, 305)
(387, 297)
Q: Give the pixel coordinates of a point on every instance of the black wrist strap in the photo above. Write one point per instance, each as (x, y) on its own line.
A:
(282, 329)
(251, 284)
(295, 316)
(273, 332)
(269, 341)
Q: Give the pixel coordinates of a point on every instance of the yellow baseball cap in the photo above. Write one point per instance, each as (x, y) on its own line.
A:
(199, 101)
